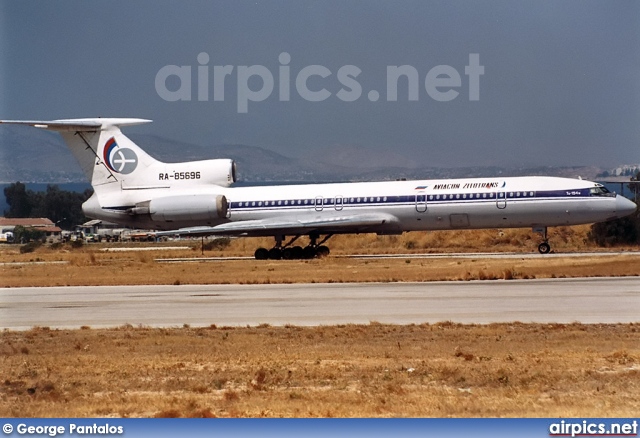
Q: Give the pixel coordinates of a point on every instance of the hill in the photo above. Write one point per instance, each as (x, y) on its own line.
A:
(33, 155)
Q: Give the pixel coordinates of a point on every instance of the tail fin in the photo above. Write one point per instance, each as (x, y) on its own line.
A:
(105, 154)
(134, 189)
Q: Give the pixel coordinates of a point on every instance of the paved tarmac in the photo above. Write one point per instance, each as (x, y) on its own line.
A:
(592, 300)
(440, 255)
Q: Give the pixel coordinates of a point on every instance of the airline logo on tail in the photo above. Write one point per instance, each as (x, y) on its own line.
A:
(119, 160)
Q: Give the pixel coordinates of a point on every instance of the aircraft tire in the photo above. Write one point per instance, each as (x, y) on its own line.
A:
(308, 252)
(287, 253)
(322, 251)
(544, 248)
(275, 254)
(298, 252)
(261, 254)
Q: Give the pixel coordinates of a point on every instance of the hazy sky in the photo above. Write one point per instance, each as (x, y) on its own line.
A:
(561, 81)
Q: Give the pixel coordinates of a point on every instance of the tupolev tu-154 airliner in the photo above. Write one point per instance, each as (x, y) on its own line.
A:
(198, 198)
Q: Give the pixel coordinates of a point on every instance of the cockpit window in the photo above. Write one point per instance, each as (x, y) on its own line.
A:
(600, 191)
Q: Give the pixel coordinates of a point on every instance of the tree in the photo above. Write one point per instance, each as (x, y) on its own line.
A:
(604, 174)
(27, 234)
(18, 200)
(635, 186)
(623, 231)
(64, 208)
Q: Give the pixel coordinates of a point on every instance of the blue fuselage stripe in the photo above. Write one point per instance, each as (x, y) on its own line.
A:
(409, 200)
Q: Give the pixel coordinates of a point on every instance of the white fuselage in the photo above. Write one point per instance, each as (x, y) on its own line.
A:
(417, 205)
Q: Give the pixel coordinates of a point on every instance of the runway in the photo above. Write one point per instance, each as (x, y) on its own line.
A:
(453, 255)
(593, 300)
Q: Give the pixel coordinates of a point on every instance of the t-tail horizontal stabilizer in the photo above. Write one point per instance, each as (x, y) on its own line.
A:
(105, 154)
(78, 125)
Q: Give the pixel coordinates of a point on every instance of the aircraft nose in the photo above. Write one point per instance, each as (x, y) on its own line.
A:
(624, 207)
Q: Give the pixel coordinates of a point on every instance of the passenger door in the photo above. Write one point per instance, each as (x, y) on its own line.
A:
(501, 200)
(421, 202)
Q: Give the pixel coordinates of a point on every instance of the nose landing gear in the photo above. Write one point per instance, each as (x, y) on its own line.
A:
(544, 247)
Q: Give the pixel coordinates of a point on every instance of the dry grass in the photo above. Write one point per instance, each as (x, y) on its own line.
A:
(376, 370)
(373, 370)
(133, 268)
(92, 266)
(563, 239)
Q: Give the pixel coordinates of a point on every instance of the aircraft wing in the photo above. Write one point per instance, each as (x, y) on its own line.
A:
(351, 223)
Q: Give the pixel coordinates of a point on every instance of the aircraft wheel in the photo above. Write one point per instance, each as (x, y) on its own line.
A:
(544, 248)
(275, 253)
(287, 253)
(261, 254)
(297, 252)
(322, 251)
(308, 252)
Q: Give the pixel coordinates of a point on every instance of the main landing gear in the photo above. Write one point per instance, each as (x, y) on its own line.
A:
(544, 247)
(288, 252)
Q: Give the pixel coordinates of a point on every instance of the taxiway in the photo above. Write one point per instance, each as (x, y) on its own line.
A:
(586, 300)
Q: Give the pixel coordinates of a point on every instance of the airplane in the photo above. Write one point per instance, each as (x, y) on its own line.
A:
(198, 198)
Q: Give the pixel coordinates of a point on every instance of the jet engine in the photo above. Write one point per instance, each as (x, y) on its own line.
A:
(221, 172)
(201, 208)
